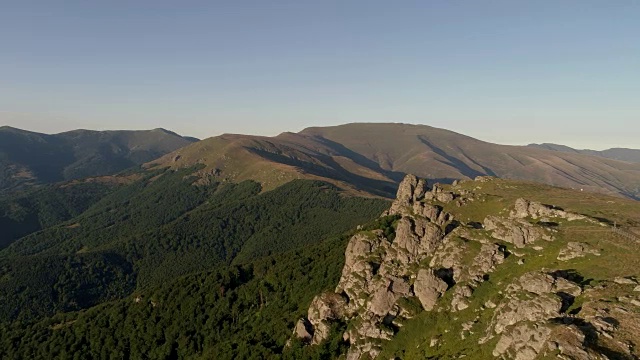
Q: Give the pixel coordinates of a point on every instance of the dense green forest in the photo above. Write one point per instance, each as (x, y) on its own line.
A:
(245, 311)
(25, 213)
(216, 269)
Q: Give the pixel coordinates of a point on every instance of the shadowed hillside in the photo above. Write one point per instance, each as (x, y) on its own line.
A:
(442, 154)
(622, 154)
(29, 158)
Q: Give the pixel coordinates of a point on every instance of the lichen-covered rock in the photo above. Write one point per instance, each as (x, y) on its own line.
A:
(518, 232)
(325, 308)
(525, 208)
(415, 239)
(303, 330)
(576, 250)
(411, 189)
(523, 342)
(428, 288)
(485, 262)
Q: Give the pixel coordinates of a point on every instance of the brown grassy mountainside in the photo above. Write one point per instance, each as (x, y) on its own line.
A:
(437, 153)
(372, 157)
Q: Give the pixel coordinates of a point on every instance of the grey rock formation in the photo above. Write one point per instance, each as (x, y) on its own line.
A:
(576, 250)
(325, 308)
(303, 330)
(518, 232)
(525, 208)
(524, 319)
(428, 288)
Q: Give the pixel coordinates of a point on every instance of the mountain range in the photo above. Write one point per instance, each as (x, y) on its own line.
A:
(29, 158)
(622, 154)
(150, 245)
(373, 157)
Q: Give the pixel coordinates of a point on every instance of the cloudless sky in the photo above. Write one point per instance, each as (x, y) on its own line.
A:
(511, 72)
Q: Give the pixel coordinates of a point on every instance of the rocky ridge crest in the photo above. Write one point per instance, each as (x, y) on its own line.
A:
(388, 279)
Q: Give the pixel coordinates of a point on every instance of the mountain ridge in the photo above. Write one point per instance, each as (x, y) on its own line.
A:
(29, 158)
(358, 153)
(618, 153)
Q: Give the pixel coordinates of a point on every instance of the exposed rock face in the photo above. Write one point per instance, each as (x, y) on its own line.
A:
(303, 330)
(378, 272)
(525, 317)
(576, 250)
(411, 189)
(428, 288)
(430, 257)
(325, 308)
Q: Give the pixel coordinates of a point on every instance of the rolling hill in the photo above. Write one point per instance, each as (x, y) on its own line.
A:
(441, 154)
(622, 154)
(29, 158)
(370, 158)
(273, 161)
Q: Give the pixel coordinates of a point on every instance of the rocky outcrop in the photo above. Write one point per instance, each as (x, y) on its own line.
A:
(324, 309)
(429, 257)
(410, 190)
(524, 319)
(525, 208)
(303, 330)
(428, 288)
(379, 272)
(576, 250)
(516, 231)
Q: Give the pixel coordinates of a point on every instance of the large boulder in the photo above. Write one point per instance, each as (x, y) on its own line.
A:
(428, 288)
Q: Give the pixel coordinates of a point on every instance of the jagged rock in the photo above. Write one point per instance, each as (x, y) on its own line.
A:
(576, 250)
(410, 190)
(542, 283)
(416, 238)
(445, 197)
(433, 213)
(303, 330)
(539, 308)
(382, 301)
(428, 288)
(485, 262)
(323, 309)
(569, 342)
(523, 320)
(449, 256)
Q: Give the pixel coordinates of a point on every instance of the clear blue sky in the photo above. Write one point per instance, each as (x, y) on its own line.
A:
(504, 71)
